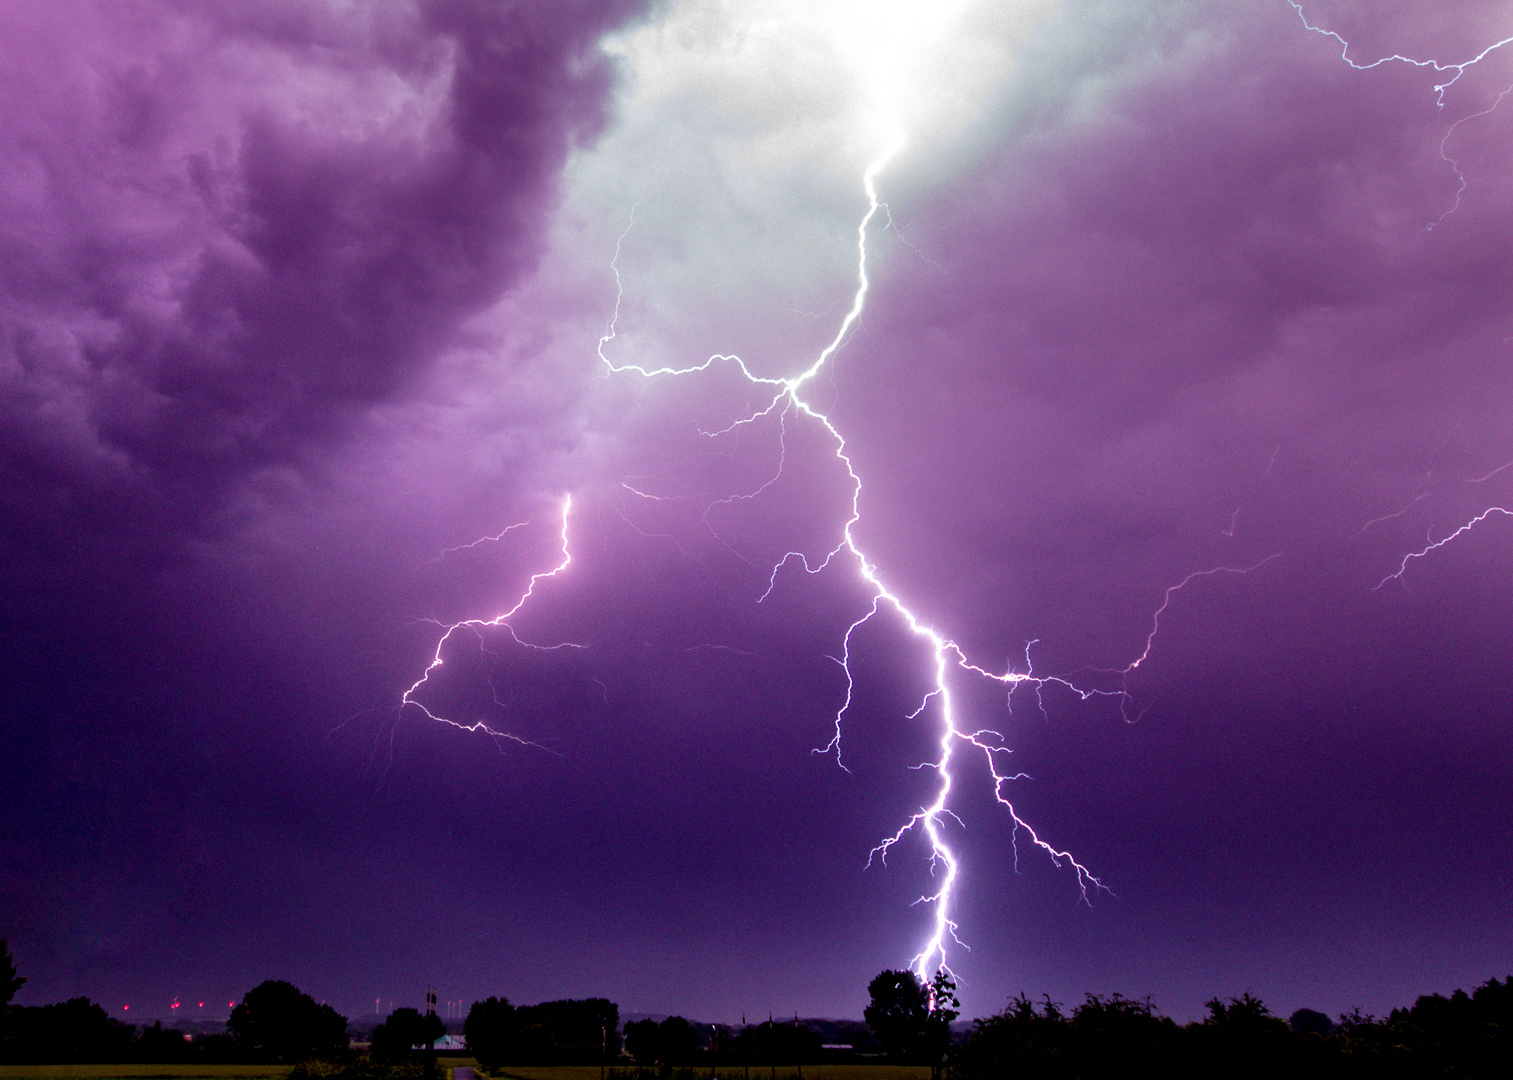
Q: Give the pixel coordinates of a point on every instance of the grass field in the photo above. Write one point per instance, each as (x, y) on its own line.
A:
(731, 1072)
(140, 1072)
(534, 1072)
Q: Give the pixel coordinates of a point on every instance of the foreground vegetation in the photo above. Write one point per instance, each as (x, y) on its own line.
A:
(1462, 1036)
(141, 1071)
(874, 1071)
(278, 1031)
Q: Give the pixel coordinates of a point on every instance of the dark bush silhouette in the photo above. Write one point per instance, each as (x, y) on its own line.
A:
(1242, 1037)
(1463, 1035)
(1114, 1034)
(71, 1031)
(276, 1022)
(1310, 1022)
(156, 1044)
(674, 1041)
(1460, 1037)
(1023, 1040)
(776, 1043)
(567, 1032)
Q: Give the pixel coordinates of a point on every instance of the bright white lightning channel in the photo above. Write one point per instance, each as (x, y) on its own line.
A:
(788, 398)
(947, 660)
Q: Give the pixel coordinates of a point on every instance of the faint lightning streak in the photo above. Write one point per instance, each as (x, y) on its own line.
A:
(1454, 164)
(1171, 590)
(1389, 517)
(477, 626)
(1490, 475)
(1467, 527)
(1459, 70)
(481, 540)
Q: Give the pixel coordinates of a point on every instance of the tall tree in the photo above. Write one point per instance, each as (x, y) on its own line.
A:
(276, 1022)
(899, 1013)
(674, 1041)
(935, 1039)
(567, 1032)
(10, 982)
(405, 1032)
(490, 1030)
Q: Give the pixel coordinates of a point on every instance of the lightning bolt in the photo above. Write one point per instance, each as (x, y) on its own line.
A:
(498, 536)
(1455, 70)
(788, 399)
(477, 626)
(1435, 545)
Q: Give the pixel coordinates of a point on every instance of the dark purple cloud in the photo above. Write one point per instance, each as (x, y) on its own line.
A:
(232, 229)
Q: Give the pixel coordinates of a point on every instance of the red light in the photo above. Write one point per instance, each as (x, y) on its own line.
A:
(125, 1008)
(202, 1004)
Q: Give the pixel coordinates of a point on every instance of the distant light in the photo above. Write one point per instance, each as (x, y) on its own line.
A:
(125, 1008)
(202, 1004)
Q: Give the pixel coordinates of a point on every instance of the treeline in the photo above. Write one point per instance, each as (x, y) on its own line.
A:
(1460, 1037)
(1466, 1036)
(584, 1032)
(274, 1023)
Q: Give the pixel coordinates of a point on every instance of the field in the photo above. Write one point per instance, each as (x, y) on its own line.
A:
(534, 1072)
(731, 1072)
(140, 1072)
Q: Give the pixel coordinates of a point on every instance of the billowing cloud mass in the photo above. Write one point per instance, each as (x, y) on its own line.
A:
(231, 228)
(302, 300)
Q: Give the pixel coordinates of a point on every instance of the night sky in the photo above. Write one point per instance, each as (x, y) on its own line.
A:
(299, 299)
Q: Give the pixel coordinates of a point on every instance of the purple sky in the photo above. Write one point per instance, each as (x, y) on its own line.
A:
(299, 298)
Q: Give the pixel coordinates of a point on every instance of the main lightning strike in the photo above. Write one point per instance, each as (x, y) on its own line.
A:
(948, 661)
(788, 398)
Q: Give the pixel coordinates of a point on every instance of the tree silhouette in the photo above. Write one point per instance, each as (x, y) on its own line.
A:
(276, 1022)
(899, 1013)
(490, 1030)
(405, 1032)
(10, 982)
(76, 1030)
(935, 1039)
(674, 1041)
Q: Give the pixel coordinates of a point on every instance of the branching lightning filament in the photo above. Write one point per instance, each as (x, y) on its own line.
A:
(789, 399)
